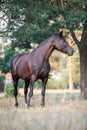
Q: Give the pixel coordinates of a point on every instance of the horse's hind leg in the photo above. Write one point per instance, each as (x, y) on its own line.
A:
(26, 91)
(32, 81)
(15, 82)
(44, 81)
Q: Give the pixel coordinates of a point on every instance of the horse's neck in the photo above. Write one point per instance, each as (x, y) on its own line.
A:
(45, 51)
(48, 53)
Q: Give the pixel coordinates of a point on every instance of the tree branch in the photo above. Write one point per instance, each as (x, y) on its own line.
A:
(74, 37)
(84, 32)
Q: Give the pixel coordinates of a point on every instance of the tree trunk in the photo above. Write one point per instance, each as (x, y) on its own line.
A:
(83, 61)
(83, 70)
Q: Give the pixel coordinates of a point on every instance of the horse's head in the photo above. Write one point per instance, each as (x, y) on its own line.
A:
(62, 45)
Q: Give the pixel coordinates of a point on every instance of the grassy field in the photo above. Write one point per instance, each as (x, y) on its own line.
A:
(63, 111)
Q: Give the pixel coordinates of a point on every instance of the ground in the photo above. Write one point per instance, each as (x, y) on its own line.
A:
(63, 111)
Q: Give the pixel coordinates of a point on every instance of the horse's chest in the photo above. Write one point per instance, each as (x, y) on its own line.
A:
(44, 71)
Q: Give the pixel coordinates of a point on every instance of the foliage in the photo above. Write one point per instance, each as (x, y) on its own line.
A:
(21, 83)
(33, 21)
(2, 78)
(5, 63)
(9, 90)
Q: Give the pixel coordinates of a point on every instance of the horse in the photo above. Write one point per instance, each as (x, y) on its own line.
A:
(35, 65)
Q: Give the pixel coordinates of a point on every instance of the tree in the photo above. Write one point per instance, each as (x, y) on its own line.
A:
(77, 20)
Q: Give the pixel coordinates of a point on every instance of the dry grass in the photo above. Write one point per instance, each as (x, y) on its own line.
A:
(62, 112)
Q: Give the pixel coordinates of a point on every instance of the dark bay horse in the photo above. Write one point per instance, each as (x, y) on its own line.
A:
(35, 65)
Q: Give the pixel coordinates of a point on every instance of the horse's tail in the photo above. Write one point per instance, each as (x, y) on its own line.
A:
(15, 62)
(12, 66)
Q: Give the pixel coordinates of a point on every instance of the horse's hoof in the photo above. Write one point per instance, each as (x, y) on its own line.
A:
(28, 107)
(16, 105)
(42, 105)
(25, 105)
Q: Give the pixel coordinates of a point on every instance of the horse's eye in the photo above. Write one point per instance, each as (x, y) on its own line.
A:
(52, 41)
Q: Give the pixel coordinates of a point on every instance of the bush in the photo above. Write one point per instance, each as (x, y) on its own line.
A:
(21, 83)
(9, 89)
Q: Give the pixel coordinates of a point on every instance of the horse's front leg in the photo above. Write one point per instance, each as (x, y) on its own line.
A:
(32, 81)
(44, 81)
(26, 91)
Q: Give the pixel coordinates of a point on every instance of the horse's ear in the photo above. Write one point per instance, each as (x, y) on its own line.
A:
(61, 34)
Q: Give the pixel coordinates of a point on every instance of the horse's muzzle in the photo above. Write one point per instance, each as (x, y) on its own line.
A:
(71, 52)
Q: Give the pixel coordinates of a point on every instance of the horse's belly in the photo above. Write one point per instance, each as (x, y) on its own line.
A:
(23, 73)
(24, 76)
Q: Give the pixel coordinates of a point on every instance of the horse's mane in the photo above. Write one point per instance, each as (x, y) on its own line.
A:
(42, 44)
(46, 40)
